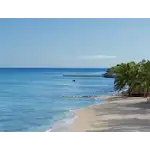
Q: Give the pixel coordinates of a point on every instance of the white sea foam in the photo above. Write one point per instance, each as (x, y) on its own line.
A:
(65, 124)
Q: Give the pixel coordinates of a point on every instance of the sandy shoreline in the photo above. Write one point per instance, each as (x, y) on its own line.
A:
(115, 114)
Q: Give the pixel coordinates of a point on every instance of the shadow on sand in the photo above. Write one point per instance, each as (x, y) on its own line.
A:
(144, 105)
(125, 117)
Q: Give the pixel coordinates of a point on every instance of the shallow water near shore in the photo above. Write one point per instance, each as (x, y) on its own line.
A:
(65, 124)
(32, 99)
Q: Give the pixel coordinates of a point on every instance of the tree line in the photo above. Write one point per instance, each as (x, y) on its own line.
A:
(135, 77)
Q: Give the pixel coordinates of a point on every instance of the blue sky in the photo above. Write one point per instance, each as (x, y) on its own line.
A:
(73, 42)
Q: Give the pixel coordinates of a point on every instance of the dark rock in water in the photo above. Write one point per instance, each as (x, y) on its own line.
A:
(86, 96)
(111, 91)
(108, 75)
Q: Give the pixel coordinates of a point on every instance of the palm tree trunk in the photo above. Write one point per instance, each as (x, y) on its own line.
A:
(147, 94)
(129, 92)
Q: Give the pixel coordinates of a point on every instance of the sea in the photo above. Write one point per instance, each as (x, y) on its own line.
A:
(43, 100)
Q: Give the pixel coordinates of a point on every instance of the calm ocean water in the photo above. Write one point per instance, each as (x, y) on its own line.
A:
(32, 99)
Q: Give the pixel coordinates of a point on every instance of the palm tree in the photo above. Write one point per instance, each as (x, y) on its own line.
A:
(145, 78)
(125, 75)
(135, 76)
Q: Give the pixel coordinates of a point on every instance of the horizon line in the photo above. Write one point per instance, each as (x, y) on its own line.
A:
(72, 16)
(53, 67)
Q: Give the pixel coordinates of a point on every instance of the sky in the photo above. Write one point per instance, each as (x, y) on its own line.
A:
(75, 43)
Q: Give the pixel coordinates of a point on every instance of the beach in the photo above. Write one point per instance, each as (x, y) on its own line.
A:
(116, 114)
(66, 74)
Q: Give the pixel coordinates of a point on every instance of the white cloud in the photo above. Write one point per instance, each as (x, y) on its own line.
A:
(97, 57)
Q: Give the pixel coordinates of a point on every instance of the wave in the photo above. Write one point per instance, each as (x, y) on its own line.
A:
(65, 124)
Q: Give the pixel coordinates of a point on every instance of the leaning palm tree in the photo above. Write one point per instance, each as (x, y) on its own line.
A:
(124, 76)
(145, 78)
(135, 76)
(136, 79)
(121, 78)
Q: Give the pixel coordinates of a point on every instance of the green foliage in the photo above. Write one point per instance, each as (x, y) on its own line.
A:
(135, 76)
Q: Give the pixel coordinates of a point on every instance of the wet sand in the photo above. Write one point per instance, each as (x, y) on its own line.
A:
(116, 114)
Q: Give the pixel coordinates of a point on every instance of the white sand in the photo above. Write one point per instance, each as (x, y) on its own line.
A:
(116, 114)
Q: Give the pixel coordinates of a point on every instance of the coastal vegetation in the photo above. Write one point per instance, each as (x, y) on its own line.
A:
(132, 77)
(108, 74)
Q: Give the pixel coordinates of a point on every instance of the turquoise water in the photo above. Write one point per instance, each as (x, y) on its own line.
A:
(32, 99)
